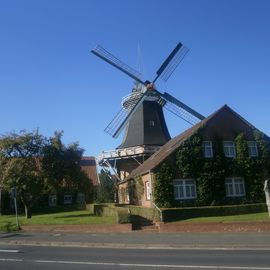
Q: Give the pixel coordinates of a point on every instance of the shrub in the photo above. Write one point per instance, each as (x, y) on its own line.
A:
(177, 214)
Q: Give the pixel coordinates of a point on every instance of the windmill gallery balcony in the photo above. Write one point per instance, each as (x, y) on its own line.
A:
(126, 153)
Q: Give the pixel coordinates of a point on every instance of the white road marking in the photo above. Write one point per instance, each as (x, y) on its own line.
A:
(156, 265)
(10, 260)
(9, 250)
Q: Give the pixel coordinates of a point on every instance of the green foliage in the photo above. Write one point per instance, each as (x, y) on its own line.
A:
(177, 214)
(145, 212)
(120, 214)
(210, 173)
(60, 166)
(105, 191)
(20, 165)
(136, 190)
(189, 157)
(36, 166)
(210, 183)
(163, 189)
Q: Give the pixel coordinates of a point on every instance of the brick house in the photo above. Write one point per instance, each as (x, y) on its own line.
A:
(237, 186)
(88, 165)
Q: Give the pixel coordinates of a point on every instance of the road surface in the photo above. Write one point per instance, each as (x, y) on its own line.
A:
(28, 257)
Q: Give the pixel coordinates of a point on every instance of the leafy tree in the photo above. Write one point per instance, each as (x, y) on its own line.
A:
(19, 158)
(37, 166)
(60, 167)
(105, 191)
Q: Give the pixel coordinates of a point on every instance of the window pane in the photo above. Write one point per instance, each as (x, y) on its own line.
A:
(188, 191)
(193, 194)
(237, 191)
(229, 149)
(181, 192)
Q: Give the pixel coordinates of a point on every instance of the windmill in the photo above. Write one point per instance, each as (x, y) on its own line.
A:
(141, 113)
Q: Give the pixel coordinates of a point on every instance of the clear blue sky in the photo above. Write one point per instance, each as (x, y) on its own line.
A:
(50, 80)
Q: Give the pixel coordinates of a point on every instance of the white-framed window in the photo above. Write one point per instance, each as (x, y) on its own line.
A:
(52, 200)
(235, 187)
(67, 199)
(229, 149)
(207, 149)
(184, 189)
(148, 190)
(252, 149)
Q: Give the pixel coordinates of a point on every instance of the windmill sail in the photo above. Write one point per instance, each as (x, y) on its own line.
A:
(121, 119)
(181, 109)
(148, 91)
(171, 62)
(111, 59)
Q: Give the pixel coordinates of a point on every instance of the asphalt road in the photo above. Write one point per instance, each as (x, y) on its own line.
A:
(14, 257)
(139, 239)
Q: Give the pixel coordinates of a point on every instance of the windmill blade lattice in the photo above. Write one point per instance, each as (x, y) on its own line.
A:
(121, 119)
(166, 74)
(180, 112)
(111, 59)
(181, 109)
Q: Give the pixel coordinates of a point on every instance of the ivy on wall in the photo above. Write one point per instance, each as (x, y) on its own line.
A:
(163, 188)
(136, 189)
(188, 162)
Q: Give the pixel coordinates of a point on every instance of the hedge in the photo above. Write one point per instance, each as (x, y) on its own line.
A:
(176, 214)
(120, 214)
(145, 212)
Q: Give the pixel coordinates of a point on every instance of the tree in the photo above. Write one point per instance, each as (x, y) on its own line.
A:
(106, 189)
(60, 167)
(19, 159)
(36, 166)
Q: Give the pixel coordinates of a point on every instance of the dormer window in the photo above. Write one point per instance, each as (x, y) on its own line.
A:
(207, 149)
(252, 149)
(229, 149)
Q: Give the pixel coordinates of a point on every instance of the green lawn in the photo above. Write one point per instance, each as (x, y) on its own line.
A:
(247, 217)
(8, 222)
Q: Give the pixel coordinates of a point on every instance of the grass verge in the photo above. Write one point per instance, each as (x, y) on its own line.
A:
(236, 218)
(8, 222)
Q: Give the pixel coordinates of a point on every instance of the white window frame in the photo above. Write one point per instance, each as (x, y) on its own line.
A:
(67, 199)
(148, 190)
(185, 189)
(252, 148)
(235, 187)
(229, 149)
(207, 149)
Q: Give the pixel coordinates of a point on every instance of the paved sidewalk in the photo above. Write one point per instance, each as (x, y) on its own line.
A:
(141, 240)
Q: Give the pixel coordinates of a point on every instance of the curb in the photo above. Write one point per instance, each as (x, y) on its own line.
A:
(97, 228)
(132, 246)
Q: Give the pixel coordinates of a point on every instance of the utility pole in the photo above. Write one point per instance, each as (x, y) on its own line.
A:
(13, 193)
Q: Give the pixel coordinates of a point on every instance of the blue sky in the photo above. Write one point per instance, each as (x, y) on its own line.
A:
(50, 80)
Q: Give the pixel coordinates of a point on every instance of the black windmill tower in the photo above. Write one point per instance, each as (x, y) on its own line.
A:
(142, 115)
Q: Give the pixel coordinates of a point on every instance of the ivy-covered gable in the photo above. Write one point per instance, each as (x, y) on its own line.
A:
(232, 171)
(212, 176)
